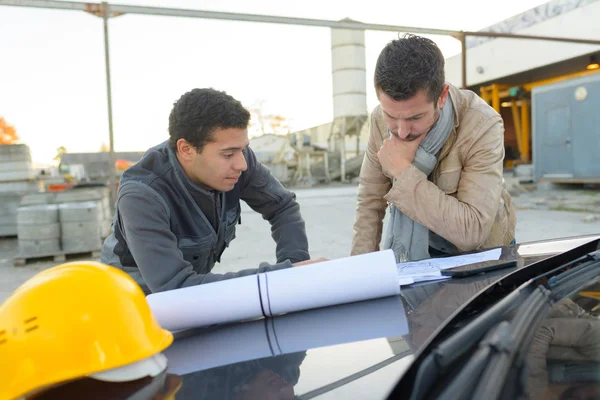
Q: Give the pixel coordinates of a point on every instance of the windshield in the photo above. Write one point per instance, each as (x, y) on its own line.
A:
(485, 351)
(549, 321)
(563, 360)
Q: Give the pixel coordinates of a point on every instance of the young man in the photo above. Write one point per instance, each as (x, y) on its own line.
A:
(178, 207)
(435, 156)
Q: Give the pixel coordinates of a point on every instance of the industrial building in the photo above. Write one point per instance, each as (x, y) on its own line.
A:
(548, 93)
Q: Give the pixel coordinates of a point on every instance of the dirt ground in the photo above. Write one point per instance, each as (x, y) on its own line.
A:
(549, 212)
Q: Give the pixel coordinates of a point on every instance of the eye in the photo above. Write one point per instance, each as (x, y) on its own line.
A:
(416, 118)
(228, 155)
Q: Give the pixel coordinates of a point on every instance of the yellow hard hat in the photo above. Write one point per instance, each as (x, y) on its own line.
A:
(74, 320)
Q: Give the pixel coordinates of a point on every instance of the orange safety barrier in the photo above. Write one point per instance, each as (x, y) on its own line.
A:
(58, 187)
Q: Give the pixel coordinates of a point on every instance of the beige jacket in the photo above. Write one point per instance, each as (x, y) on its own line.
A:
(466, 202)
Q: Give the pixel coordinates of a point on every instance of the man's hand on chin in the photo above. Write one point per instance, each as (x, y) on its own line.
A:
(396, 155)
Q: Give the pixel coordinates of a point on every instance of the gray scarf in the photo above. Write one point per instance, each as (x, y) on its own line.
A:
(409, 239)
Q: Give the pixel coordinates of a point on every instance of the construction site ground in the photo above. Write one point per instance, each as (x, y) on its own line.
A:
(544, 211)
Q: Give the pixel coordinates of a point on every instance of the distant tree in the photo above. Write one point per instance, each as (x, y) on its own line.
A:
(8, 134)
(59, 153)
(257, 117)
(264, 123)
(279, 125)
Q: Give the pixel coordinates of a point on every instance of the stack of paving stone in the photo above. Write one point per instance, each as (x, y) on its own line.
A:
(38, 230)
(17, 178)
(79, 226)
(98, 195)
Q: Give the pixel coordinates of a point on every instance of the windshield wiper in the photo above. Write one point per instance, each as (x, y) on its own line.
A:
(463, 383)
(447, 353)
(569, 281)
(455, 362)
(516, 336)
(509, 348)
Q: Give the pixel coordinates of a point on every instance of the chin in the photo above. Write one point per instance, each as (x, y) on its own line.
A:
(227, 186)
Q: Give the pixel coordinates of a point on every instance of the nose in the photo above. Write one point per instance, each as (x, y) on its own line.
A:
(403, 129)
(240, 162)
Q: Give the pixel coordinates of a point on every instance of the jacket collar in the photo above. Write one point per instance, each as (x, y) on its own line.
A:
(458, 103)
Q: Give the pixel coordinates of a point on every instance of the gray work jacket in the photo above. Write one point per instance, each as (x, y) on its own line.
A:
(164, 241)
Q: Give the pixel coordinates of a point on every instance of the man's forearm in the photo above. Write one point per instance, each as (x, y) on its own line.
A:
(368, 226)
(371, 205)
(267, 196)
(187, 277)
(288, 229)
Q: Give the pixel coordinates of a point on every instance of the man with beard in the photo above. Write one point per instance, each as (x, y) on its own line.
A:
(434, 159)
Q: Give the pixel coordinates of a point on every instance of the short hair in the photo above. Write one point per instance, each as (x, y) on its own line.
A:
(200, 112)
(409, 64)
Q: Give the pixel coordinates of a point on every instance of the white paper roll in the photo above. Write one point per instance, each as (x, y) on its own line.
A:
(231, 300)
(345, 280)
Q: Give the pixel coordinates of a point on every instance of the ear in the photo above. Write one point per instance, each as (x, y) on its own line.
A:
(444, 96)
(185, 150)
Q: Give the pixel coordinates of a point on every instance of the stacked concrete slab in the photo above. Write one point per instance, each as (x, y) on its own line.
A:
(79, 226)
(17, 178)
(38, 229)
(81, 220)
(99, 196)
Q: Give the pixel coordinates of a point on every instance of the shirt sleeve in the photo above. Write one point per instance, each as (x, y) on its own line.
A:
(267, 196)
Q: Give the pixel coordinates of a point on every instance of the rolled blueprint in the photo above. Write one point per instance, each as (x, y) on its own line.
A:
(345, 280)
(231, 300)
(202, 349)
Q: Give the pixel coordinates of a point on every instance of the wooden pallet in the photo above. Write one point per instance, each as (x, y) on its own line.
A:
(62, 256)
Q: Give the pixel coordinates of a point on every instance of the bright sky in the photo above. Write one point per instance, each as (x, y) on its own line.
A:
(52, 74)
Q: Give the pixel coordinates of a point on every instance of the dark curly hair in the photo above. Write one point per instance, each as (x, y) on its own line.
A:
(409, 64)
(200, 112)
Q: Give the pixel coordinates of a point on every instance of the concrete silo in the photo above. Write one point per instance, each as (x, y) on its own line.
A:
(349, 77)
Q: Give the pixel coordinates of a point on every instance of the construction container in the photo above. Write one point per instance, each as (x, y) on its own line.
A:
(566, 130)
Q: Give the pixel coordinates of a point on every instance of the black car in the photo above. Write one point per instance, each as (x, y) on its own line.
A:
(531, 331)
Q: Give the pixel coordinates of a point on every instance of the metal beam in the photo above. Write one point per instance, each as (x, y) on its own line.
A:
(188, 13)
(463, 59)
(228, 16)
(111, 156)
(174, 12)
(58, 5)
(533, 37)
